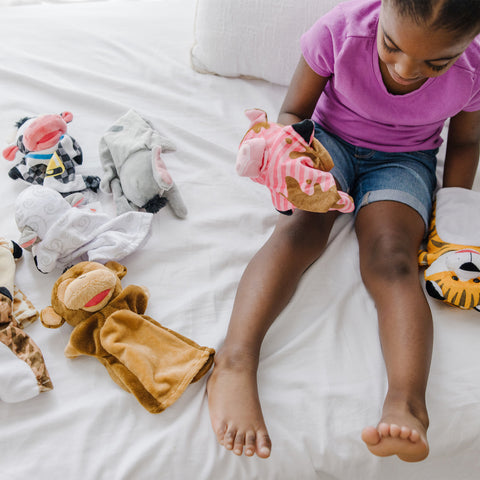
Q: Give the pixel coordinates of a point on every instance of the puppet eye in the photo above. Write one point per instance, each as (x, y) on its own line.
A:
(476, 280)
(455, 278)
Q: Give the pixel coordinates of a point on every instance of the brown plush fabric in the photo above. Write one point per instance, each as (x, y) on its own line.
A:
(27, 350)
(16, 311)
(150, 361)
(163, 361)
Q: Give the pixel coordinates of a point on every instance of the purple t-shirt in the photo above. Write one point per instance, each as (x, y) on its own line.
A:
(356, 105)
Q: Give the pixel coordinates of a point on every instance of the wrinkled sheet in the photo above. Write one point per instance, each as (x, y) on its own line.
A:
(321, 376)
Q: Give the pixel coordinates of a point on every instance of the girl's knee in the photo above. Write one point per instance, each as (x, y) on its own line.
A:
(304, 236)
(389, 256)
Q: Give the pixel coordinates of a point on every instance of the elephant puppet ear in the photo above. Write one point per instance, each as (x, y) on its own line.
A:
(160, 172)
(10, 152)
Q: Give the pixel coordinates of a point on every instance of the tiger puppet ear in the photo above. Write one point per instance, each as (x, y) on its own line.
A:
(452, 253)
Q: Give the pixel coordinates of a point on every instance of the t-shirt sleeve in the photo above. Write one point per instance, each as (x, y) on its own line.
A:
(321, 42)
(474, 103)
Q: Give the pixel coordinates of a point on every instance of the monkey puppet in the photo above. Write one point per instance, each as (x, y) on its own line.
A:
(150, 361)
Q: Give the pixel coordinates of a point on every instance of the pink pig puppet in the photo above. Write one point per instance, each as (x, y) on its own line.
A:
(292, 163)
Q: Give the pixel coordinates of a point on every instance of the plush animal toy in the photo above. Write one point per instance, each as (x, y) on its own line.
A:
(23, 374)
(292, 163)
(150, 361)
(452, 253)
(60, 234)
(46, 155)
(131, 153)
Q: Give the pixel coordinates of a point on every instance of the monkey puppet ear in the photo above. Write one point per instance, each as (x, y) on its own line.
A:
(50, 318)
(118, 269)
(67, 116)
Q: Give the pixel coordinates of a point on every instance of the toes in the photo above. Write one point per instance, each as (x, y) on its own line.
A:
(239, 443)
(229, 439)
(405, 433)
(384, 429)
(250, 440)
(414, 436)
(220, 433)
(264, 445)
(395, 430)
(248, 443)
(370, 435)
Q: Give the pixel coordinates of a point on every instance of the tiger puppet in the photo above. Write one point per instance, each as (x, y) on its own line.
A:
(452, 251)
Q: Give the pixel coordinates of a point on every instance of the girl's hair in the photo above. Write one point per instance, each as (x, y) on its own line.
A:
(458, 16)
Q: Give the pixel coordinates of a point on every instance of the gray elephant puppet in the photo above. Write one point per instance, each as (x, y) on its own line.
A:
(135, 172)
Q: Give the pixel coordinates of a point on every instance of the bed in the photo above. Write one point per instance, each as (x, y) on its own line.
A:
(192, 68)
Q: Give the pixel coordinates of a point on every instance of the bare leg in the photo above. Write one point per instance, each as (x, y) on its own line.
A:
(265, 288)
(389, 236)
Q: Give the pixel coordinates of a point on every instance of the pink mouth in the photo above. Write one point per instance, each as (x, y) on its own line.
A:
(49, 136)
(466, 250)
(97, 298)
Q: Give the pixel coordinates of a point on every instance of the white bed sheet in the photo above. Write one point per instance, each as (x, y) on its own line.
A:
(321, 376)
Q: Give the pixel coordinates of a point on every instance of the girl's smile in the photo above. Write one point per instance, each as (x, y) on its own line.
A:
(400, 80)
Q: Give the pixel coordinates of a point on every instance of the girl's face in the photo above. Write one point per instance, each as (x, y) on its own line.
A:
(410, 53)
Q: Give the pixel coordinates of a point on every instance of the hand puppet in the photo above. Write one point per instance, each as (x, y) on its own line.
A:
(452, 252)
(59, 234)
(23, 374)
(46, 155)
(292, 163)
(131, 152)
(150, 361)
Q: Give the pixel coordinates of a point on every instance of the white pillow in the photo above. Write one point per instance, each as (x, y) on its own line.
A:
(253, 38)
(14, 3)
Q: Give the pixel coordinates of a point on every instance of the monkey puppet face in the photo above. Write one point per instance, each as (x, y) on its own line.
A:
(83, 289)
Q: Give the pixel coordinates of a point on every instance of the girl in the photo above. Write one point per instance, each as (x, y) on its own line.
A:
(379, 78)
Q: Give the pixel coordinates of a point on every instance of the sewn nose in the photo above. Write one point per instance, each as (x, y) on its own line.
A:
(469, 267)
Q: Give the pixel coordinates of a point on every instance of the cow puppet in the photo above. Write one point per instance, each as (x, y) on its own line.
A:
(46, 155)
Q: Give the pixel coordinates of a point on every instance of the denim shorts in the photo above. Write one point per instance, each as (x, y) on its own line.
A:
(370, 176)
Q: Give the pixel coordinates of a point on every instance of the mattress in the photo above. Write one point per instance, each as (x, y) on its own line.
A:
(321, 376)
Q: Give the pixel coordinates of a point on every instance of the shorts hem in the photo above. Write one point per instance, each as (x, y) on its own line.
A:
(396, 196)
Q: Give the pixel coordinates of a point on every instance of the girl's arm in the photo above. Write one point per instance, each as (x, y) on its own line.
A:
(463, 150)
(302, 96)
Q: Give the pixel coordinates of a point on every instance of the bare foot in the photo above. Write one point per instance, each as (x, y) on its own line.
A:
(235, 410)
(400, 433)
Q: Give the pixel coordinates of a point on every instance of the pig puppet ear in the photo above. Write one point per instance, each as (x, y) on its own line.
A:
(9, 152)
(255, 115)
(306, 129)
(67, 116)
